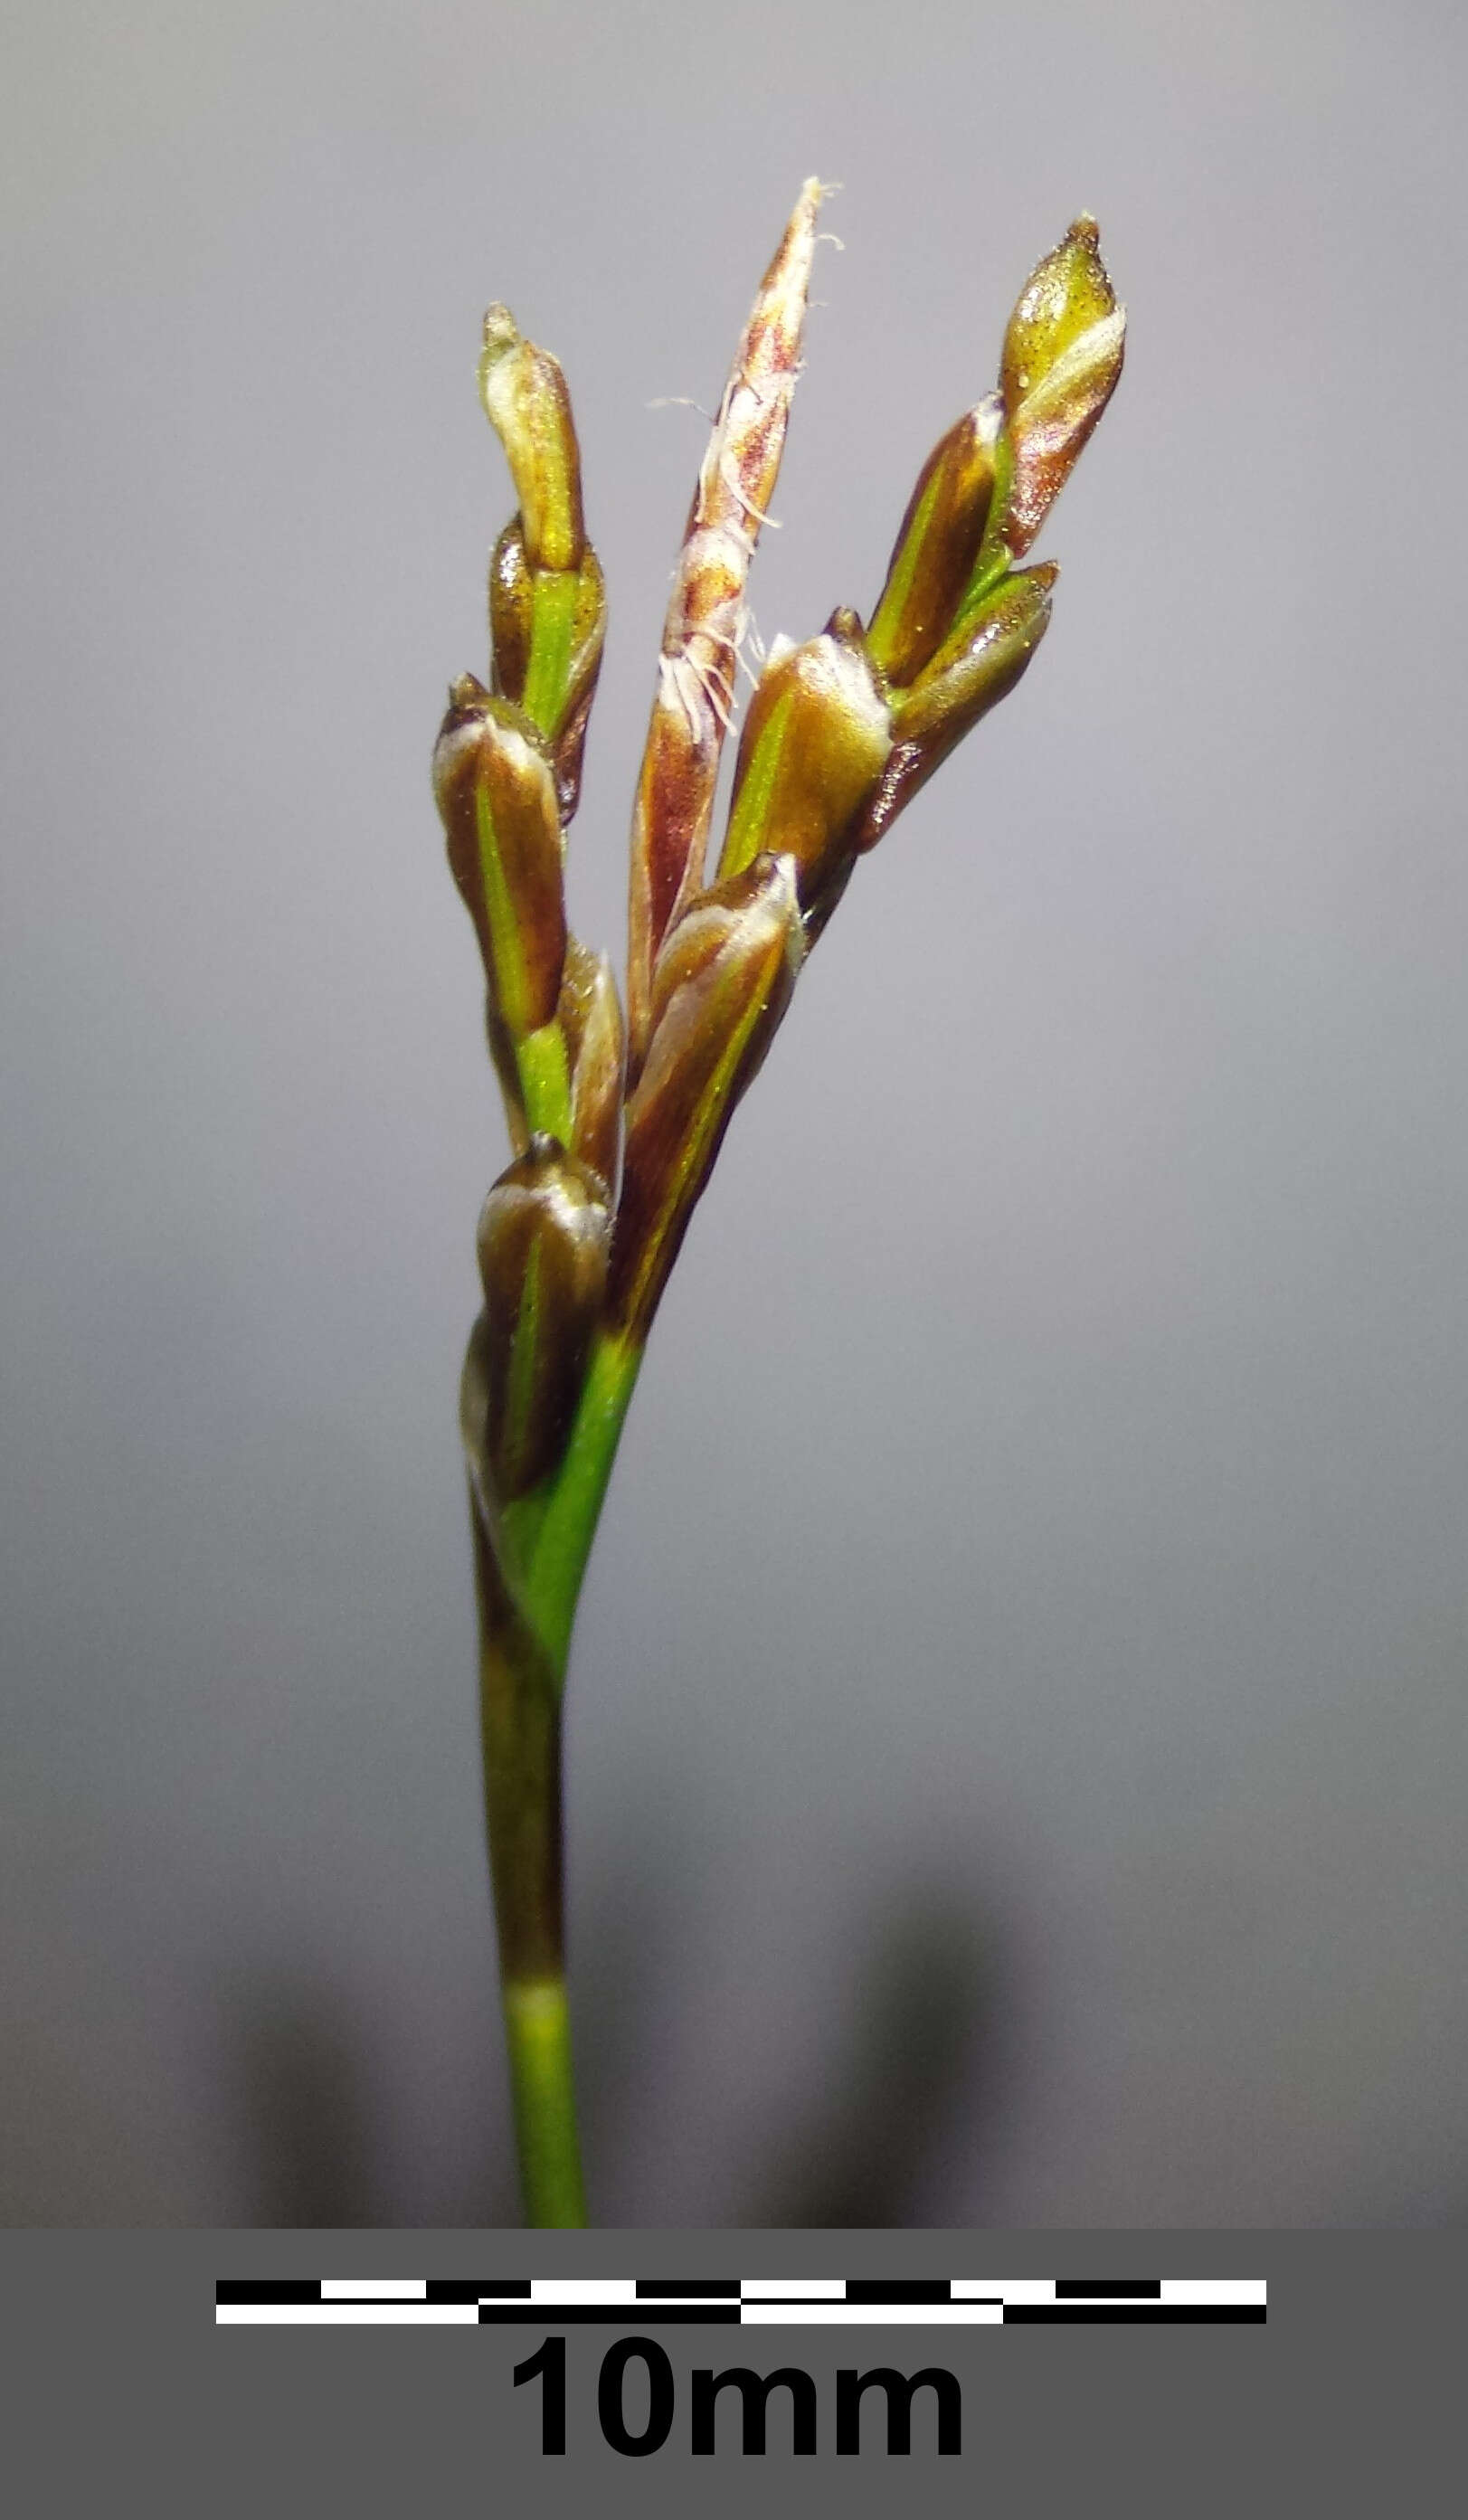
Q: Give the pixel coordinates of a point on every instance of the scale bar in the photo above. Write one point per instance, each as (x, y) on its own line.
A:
(765, 2301)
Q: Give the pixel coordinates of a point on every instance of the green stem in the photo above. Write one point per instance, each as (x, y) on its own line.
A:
(525, 1642)
(568, 1521)
(546, 1080)
(540, 1058)
(538, 2035)
(552, 624)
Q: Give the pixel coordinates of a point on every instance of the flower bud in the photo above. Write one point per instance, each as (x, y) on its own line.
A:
(588, 634)
(512, 613)
(1061, 359)
(497, 797)
(524, 396)
(591, 1023)
(815, 741)
(719, 986)
(543, 1241)
(934, 554)
(512, 623)
(976, 666)
(515, 596)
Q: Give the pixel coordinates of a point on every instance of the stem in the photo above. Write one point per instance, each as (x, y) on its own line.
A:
(540, 1058)
(551, 630)
(546, 1080)
(569, 1522)
(538, 2034)
(525, 1642)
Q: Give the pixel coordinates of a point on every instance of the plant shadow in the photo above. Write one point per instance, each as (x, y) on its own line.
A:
(929, 2042)
(305, 2109)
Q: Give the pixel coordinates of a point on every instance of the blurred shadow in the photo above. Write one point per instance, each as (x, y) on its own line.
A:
(928, 2033)
(491, 2202)
(629, 1962)
(306, 2132)
(926, 2038)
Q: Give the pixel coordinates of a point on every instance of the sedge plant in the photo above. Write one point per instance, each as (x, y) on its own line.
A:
(615, 1119)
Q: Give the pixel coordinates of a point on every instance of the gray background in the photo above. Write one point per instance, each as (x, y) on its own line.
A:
(1354, 2376)
(1016, 1734)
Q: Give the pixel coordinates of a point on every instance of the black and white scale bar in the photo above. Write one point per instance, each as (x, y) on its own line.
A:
(767, 2301)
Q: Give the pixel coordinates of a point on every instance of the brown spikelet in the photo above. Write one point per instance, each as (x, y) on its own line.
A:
(542, 1244)
(591, 1021)
(497, 796)
(705, 617)
(722, 983)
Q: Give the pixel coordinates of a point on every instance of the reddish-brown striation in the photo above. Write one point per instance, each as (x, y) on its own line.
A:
(721, 985)
(705, 617)
(542, 1242)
